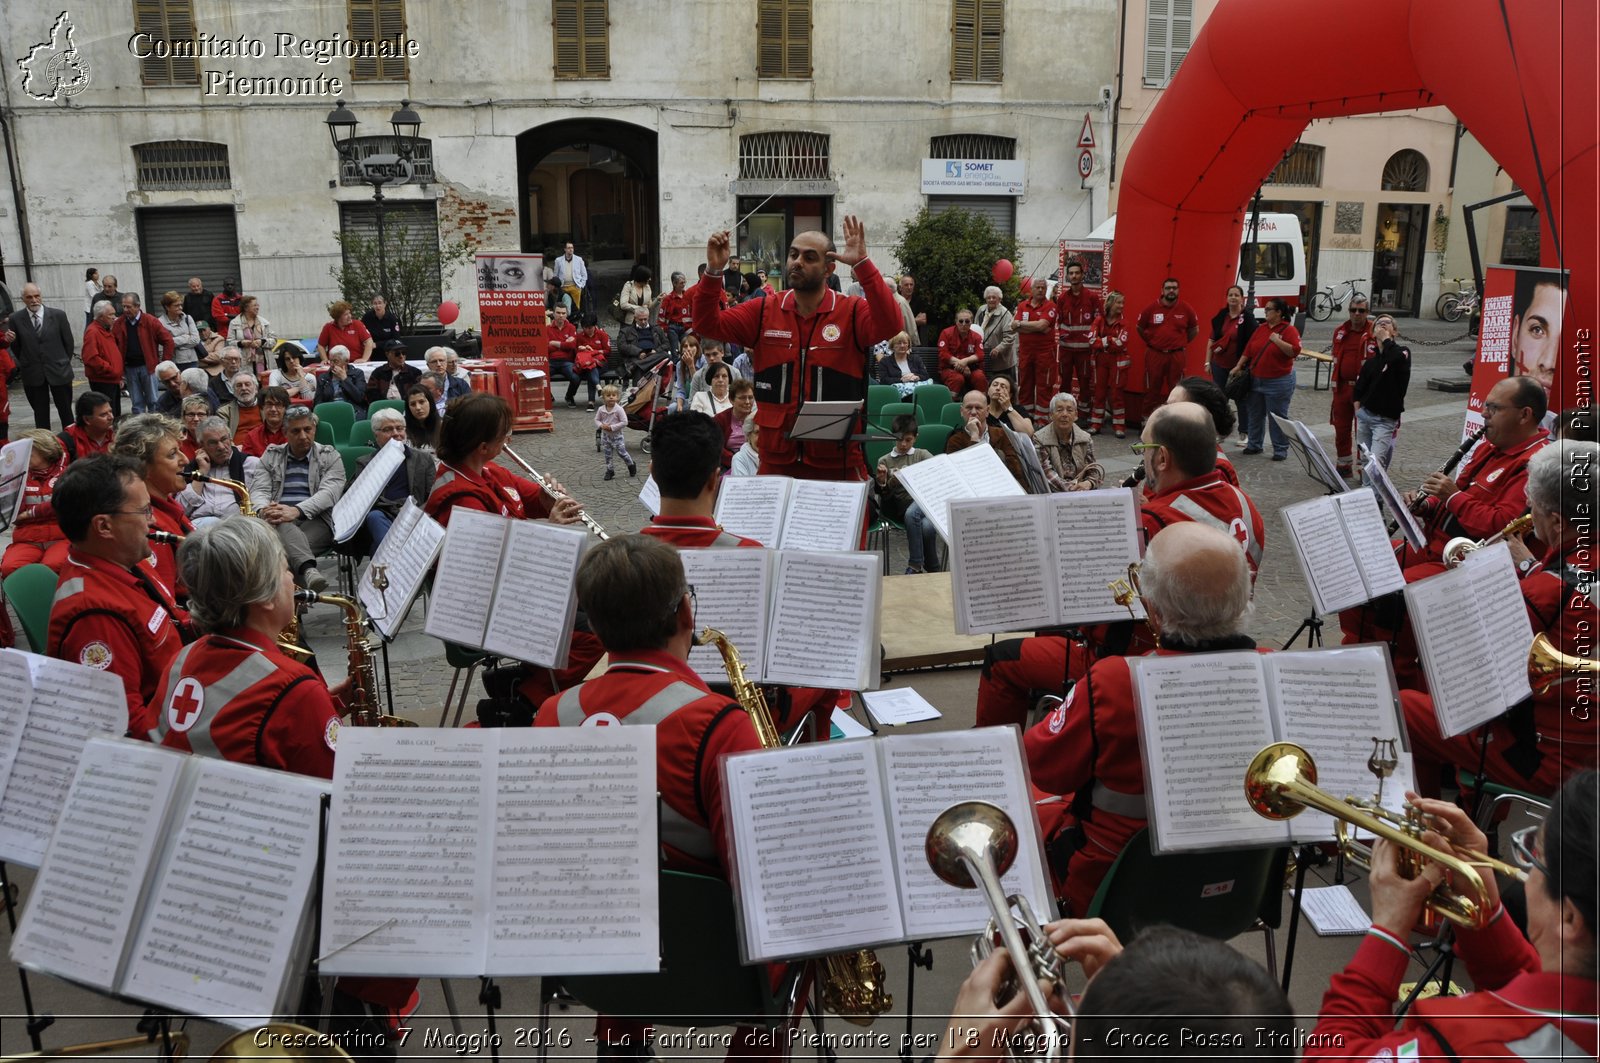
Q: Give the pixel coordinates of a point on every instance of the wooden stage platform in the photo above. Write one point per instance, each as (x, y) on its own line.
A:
(919, 626)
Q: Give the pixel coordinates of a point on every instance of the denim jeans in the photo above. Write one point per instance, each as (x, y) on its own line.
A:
(141, 388)
(1377, 434)
(377, 523)
(922, 539)
(1270, 395)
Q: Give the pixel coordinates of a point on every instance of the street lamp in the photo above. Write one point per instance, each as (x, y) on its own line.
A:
(377, 170)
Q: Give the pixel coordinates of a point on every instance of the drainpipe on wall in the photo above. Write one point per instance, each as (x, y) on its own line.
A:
(1116, 102)
(18, 193)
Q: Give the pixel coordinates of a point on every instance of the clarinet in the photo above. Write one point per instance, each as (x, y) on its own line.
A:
(1449, 467)
(1135, 478)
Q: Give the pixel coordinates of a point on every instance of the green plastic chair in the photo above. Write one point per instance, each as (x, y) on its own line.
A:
(325, 434)
(31, 590)
(890, 411)
(341, 415)
(875, 452)
(878, 395)
(930, 399)
(950, 414)
(933, 437)
(387, 404)
(352, 459)
(461, 659)
(361, 434)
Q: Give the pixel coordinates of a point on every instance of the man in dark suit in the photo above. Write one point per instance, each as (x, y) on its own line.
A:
(43, 352)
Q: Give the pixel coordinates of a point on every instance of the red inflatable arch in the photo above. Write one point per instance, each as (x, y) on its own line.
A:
(1520, 74)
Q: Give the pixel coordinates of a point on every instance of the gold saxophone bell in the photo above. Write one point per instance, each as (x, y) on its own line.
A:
(1548, 666)
(1458, 549)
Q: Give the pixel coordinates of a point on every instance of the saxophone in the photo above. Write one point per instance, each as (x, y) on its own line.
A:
(364, 711)
(852, 983)
(239, 490)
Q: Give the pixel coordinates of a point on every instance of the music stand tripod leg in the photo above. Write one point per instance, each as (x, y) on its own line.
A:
(1302, 863)
(916, 956)
(37, 1024)
(489, 997)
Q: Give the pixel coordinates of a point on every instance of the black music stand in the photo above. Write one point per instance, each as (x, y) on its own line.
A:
(916, 956)
(1316, 464)
(37, 1024)
(825, 422)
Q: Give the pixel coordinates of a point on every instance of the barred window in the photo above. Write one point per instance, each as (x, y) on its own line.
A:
(783, 157)
(377, 20)
(783, 32)
(1406, 171)
(1303, 166)
(387, 144)
(181, 165)
(972, 146)
(582, 38)
(169, 21)
(977, 34)
(1168, 27)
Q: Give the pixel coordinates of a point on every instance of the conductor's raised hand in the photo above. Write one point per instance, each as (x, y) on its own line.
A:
(855, 242)
(719, 247)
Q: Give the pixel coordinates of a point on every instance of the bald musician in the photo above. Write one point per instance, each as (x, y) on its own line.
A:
(1182, 485)
(686, 463)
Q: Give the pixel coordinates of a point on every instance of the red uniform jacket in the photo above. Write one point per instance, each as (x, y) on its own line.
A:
(563, 341)
(258, 439)
(694, 728)
(224, 308)
(1350, 349)
(693, 533)
(1167, 326)
(1226, 470)
(155, 342)
(675, 310)
(597, 343)
(36, 521)
(826, 356)
(1493, 492)
(78, 444)
(169, 517)
(109, 618)
(1075, 316)
(1209, 499)
(102, 354)
(1112, 337)
(496, 491)
(1032, 343)
(951, 345)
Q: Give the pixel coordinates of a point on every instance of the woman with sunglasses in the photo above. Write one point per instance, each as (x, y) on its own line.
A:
(1536, 995)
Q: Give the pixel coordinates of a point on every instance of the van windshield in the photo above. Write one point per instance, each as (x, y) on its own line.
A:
(1273, 262)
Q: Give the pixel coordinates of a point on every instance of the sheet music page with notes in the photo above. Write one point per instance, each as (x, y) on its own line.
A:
(825, 620)
(1394, 502)
(14, 458)
(1202, 717)
(81, 908)
(1369, 540)
(228, 904)
(1320, 545)
(16, 693)
(926, 774)
(1505, 617)
(409, 550)
(458, 606)
(351, 510)
(1454, 648)
(535, 593)
(1001, 561)
(814, 872)
(754, 506)
(406, 885)
(1096, 538)
(575, 852)
(822, 514)
(731, 591)
(68, 702)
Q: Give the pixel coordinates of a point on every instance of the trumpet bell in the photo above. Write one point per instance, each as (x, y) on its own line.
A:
(1548, 666)
(961, 833)
(1266, 780)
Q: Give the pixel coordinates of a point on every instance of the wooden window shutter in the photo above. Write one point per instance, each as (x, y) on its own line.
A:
(1156, 26)
(783, 38)
(769, 38)
(991, 39)
(964, 40)
(797, 33)
(168, 20)
(377, 20)
(596, 39)
(582, 38)
(569, 47)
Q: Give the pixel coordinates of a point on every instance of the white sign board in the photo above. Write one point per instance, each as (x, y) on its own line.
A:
(973, 177)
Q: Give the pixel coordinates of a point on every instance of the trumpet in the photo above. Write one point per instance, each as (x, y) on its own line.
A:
(970, 846)
(239, 490)
(545, 486)
(1548, 666)
(1281, 782)
(1420, 502)
(1457, 549)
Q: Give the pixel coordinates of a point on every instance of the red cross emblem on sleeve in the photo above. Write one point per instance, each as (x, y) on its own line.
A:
(184, 706)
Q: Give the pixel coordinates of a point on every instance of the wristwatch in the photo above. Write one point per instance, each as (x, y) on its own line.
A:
(1525, 566)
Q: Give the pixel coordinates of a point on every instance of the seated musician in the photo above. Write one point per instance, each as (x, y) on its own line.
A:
(1182, 484)
(36, 537)
(112, 611)
(1202, 392)
(686, 462)
(1196, 588)
(154, 442)
(1543, 739)
(1536, 995)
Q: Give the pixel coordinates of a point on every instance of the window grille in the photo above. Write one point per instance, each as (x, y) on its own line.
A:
(181, 165)
(785, 156)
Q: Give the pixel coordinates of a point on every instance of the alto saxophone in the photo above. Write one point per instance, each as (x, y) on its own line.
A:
(853, 982)
(239, 490)
(364, 711)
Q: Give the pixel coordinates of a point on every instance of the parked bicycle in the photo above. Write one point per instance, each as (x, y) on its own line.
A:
(1332, 298)
(1454, 305)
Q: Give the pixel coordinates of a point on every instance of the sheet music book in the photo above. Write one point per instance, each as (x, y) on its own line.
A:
(500, 852)
(408, 551)
(803, 618)
(1343, 549)
(48, 710)
(1318, 461)
(829, 421)
(650, 495)
(1394, 502)
(789, 514)
(902, 705)
(1202, 718)
(973, 472)
(808, 884)
(14, 458)
(1040, 560)
(1473, 635)
(178, 880)
(358, 499)
(507, 586)
(1333, 911)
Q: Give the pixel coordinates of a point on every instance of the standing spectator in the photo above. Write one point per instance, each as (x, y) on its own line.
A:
(226, 305)
(1353, 344)
(197, 304)
(380, 322)
(290, 375)
(642, 344)
(36, 530)
(1230, 331)
(438, 361)
(218, 457)
(91, 288)
(611, 419)
(999, 338)
(251, 333)
(144, 342)
(271, 431)
(911, 321)
(102, 357)
(1076, 309)
(896, 503)
(108, 294)
(675, 314)
(572, 276)
(900, 367)
(1166, 326)
(342, 327)
(343, 382)
(593, 348)
(294, 489)
(185, 333)
(1274, 346)
(394, 378)
(961, 357)
(413, 479)
(1379, 394)
(635, 296)
(422, 419)
(42, 346)
(1035, 327)
(92, 430)
(1111, 364)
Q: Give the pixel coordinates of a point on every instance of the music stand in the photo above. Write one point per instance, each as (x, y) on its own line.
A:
(1313, 456)
(825, 422)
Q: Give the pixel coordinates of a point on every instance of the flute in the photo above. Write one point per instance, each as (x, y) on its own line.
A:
(544, 485)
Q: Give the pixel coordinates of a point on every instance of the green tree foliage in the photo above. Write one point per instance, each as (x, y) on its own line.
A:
(952, 256)
(413, 265)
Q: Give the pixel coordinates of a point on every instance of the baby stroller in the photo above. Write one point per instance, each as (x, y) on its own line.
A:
(641, 402)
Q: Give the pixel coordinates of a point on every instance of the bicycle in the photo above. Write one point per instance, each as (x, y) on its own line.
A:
(1332, 298)
(1453, 306)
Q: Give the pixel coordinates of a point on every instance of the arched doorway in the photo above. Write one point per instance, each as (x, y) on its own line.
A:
(592, 181)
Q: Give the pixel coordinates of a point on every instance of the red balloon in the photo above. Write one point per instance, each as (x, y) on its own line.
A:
(448, 312)
(1026, 285)
(1003, 270)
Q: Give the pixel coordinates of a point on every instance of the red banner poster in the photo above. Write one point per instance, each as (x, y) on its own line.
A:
(511, 309)
(1520, 332)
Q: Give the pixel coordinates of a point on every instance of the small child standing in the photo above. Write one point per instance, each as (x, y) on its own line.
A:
(611, 419)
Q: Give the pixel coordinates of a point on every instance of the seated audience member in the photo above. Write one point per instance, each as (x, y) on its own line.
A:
(167, 394)
(1536, 995)
(153, 443)
(93, 427)
(712, 353)
(1204, 393)
(747, 460)
(453, 366)
(438, 362)
(422, 419)
(177, 385)
(1196, 587)
(211, 347)
(294, 490)
(343, 328)
(435, 385)
(979, 432)
(244, 412)
(111, 610)
(592, 349)
(273, 430)
(742, 393)
(561, 336)
(686, 461)
(1066, 452)
(36, 537)
(218, 458)
(641, 343)
(900, 367)
(343, 382)
(896, 503)
(227, 366)
(475, 431)
(961, 356)
(290, 374)
(193, 410)
(1001, 414)
(395, 377)
(413, 479)
(717, 396)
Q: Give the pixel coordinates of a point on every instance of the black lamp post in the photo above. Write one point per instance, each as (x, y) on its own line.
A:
(379, 169)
